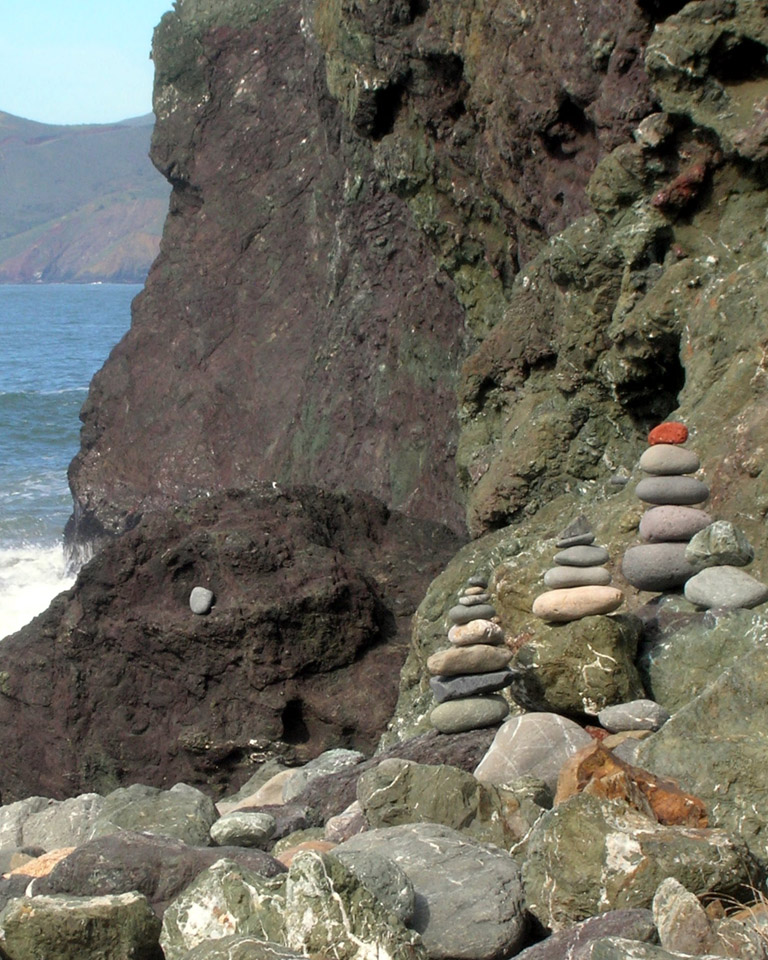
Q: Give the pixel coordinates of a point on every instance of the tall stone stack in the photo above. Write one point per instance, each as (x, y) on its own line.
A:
(465, 677)
(674, 514)
(579, 584)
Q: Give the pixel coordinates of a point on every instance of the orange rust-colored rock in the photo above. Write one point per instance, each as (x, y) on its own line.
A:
(41, 866)
(670, 432)
(319, 846)
(596, 770)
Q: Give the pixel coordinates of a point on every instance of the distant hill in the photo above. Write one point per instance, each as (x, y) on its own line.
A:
(78, 203)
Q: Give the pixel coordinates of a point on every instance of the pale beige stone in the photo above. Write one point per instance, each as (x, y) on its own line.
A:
(478, 658)
(561, 606)
(268, 793)
(476, 631)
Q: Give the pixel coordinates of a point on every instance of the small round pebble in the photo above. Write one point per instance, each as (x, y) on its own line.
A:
(462, 614)
(670, 432)
(562, 606)
(582, 556)
(636, 715)
(471, 713)
(656, 566)
(557, 578)
(476, 631)
(201, 600)
(672, 523)
(669, 458)
(679, 491)
(473, 591)
(725, 586)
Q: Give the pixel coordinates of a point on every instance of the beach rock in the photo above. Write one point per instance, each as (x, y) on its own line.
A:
(476, 631)
(477, 658)
(620, 948)
(636, 715)
(158, 868)
(665, 459)
(41, 866)
(558, 577)
(329, 911)
(469, 898)
(725, 586)
(682, 922)
(471, 600)
(64, 824)
(71, 928)
(346, 824)
(286, 817)
(657, 566)
(243, 829)
(582, 556)
(461, 614)
(224, 900)
(469, 713)
(561, 606)
(384, 879)
(241, 947)
(661, 524)
(576, 533)
(13, 816)
(591, 854)
(634, 924)
(201, 600)
(672, 431)
(477, 580)
(327, 763)
(269, 793)
(677, 491)
(183, 813)
(453, 688)
(719, 544)
(533, 745)
(579, 667)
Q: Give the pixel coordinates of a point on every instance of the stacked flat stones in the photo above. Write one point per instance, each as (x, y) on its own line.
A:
(580, 586)
(466, 676)
(674, 514)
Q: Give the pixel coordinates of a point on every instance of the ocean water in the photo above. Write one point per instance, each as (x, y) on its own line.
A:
(53, 338)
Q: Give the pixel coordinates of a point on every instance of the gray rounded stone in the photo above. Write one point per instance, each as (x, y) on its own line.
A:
(720, 543)
(583, 555)
(558, 578)
(660, 524)
(243, 828)
(470, 600)
(577, 532)
(725, 586)
(680, 491)
(469, 713)
(669, 458)
(477, 581)
(470, 685)
(462, 614)
(636, 715)
(657, 566)
(201, 600)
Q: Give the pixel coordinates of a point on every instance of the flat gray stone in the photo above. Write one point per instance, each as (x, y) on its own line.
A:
(477, 580)
(469, 685)
(557, 578)
(635, 715)
(669, 458)
(472, 600)
(469, 713)
(201, 600)
(725, 586)
(463, 614)
(582, 556)
(577, 532)
(681, 491)
(661, 524)
(657, 566)
(718, 544)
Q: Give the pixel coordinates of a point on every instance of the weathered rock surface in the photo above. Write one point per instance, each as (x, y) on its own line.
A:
(634, 924)
(181, 813)
(139, 688)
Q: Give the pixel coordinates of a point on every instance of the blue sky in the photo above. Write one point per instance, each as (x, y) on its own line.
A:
(77, 61)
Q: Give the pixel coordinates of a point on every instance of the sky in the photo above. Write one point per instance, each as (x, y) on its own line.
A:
(77, 61)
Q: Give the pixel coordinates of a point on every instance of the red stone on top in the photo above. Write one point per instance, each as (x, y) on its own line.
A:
(670, 432)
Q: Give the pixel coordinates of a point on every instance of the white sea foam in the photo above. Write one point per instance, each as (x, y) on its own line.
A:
(30, 577)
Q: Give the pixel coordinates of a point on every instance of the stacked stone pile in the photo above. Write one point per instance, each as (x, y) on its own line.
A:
(579, 584)
(465, 677)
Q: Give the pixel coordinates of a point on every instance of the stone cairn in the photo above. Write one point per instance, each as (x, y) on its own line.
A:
(465, 677)
(682, 545)
(579, 584)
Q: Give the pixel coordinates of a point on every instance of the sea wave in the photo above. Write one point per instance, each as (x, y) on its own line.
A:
(31, 575)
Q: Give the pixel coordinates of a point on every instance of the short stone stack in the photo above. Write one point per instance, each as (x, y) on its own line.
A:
(580, 586)
(674, 514)
(466, 676)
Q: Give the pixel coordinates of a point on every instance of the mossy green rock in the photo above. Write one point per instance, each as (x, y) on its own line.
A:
(329, 912)
(182, 812)
(579, 667)
(589, 855)
(121, 927)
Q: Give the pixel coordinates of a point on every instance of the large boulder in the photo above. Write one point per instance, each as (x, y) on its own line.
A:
(181, 813)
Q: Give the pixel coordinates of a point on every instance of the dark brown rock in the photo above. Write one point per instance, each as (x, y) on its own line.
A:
(119, 681)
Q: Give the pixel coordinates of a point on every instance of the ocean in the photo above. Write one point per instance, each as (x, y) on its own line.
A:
(53, 338)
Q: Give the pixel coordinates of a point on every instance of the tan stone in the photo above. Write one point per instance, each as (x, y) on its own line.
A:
(478, 658)
(270, 792)
(476, 631)
(573, 603)
(41, 866)
(319, 846)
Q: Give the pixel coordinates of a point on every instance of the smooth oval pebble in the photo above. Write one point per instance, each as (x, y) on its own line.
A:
(656, 566)
(471, 713)
(200, 600)
(562, 606)
(468, 685)
(462, 614)
(582, 556)
(556, 578)
(725, 586)
(678, 491)
(478, 658)
(476, 631)
(668, 458)
(672, 523)
(635, 715)
(670, 432)
(477, 581)
(472, 600)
